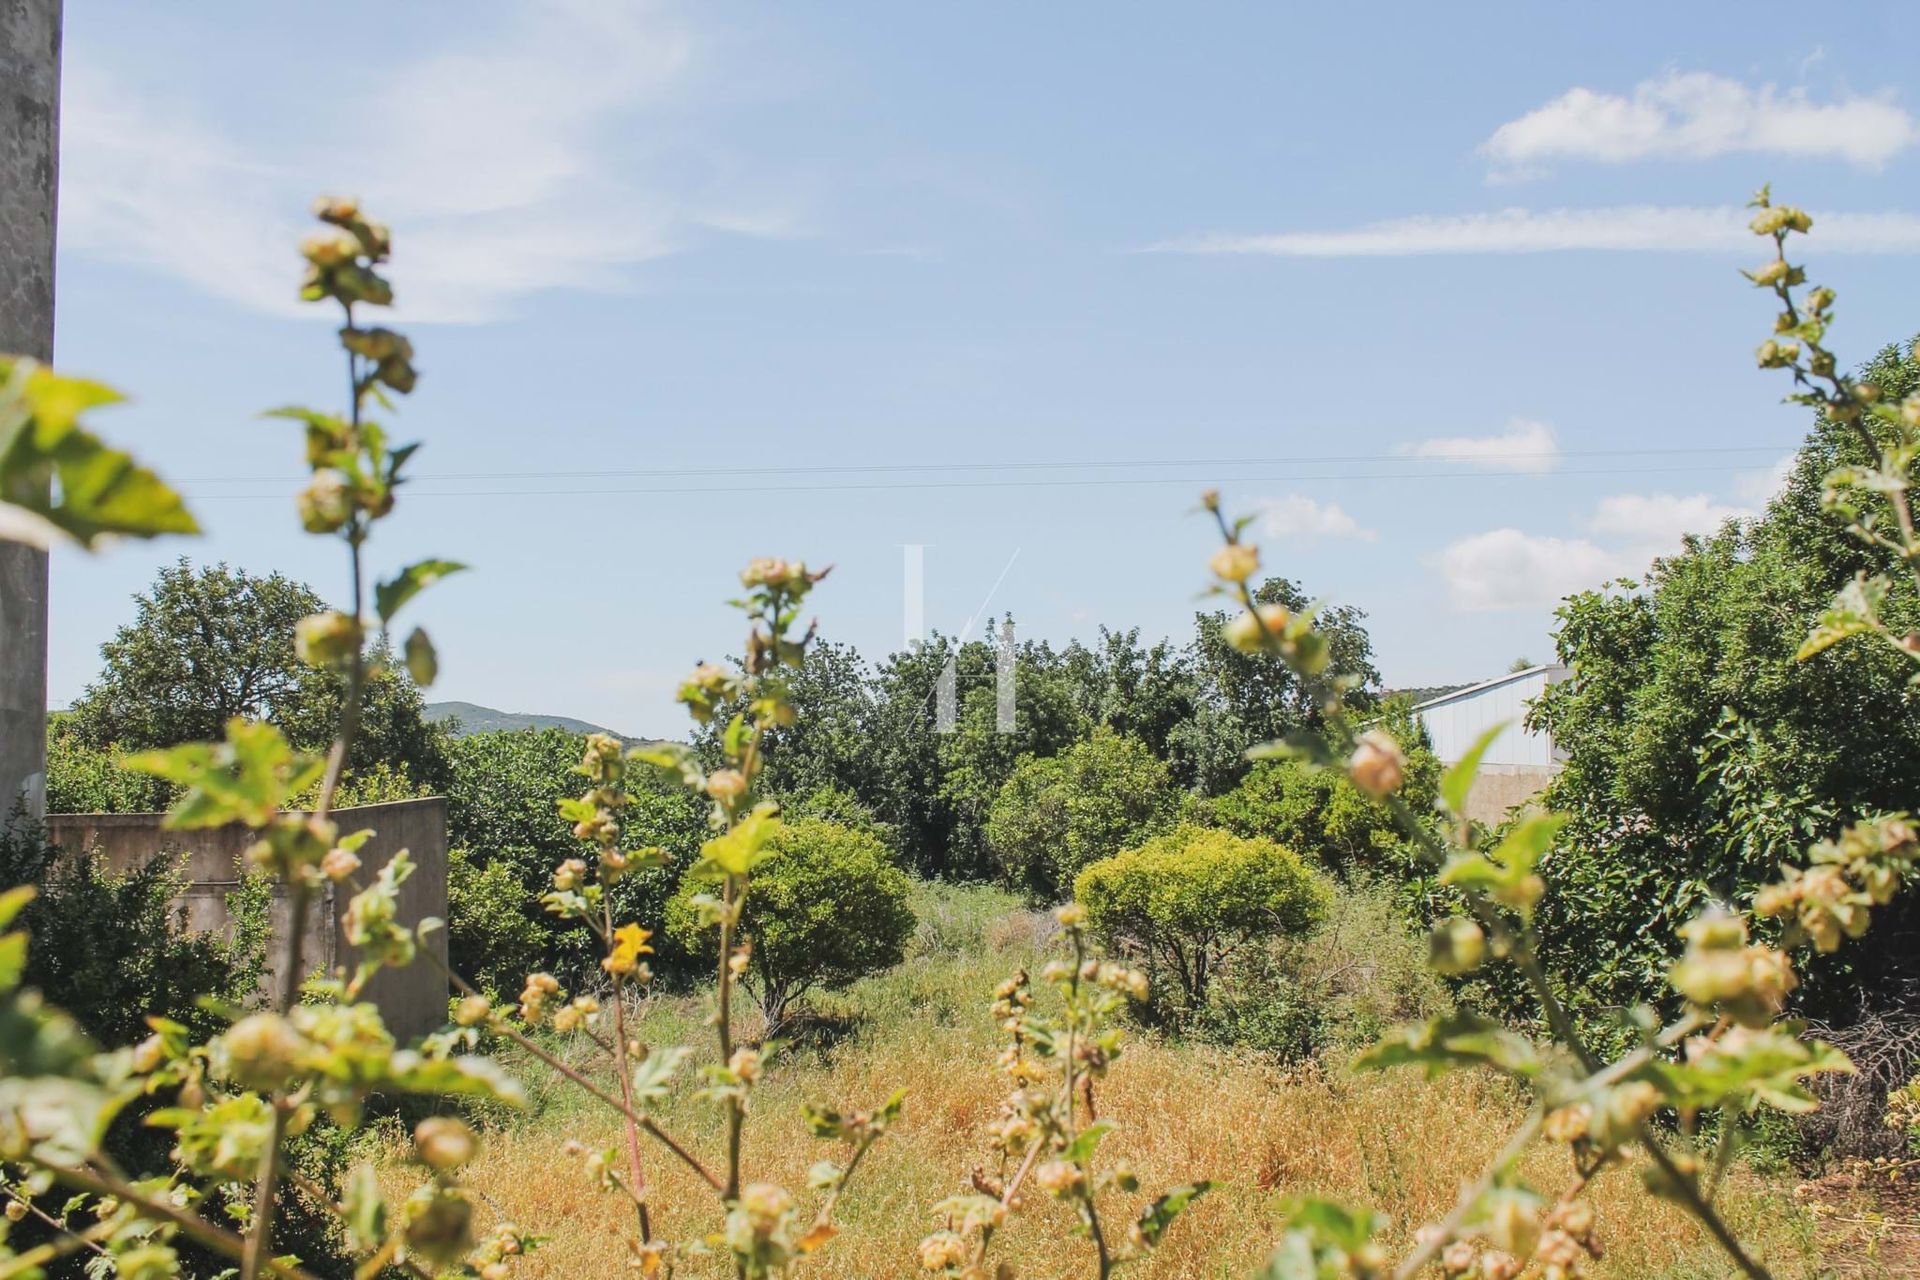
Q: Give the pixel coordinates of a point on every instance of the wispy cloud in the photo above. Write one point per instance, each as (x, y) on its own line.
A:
(1509, 569)
(1512, 569)
(500, 158)
(1698, 115)
(1620, 228)
(1298, 516)
(1660, 519)
(1525, 445)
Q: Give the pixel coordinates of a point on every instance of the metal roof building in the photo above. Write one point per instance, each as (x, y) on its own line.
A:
(1521, 760)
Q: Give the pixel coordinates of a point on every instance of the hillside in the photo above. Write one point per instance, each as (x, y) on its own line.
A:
(475, 718)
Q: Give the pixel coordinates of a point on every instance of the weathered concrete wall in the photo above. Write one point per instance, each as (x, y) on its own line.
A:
(413, 1000)
(29, 170)
(1498, 788)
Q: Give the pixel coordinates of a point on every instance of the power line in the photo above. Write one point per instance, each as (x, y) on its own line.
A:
(1081, 463)
(901, 486)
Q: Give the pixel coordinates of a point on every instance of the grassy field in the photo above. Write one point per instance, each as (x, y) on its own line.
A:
(1393, 1141)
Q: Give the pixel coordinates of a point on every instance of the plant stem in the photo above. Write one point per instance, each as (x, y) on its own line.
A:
(190, 1224)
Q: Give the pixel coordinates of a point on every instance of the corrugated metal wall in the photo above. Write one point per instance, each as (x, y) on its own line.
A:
(1456, 721)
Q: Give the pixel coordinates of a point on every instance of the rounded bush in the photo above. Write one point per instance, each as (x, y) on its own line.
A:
(828, 907)
(1055, 815)
(1187, 900)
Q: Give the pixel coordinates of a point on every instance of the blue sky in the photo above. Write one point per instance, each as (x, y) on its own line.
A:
(690, 283)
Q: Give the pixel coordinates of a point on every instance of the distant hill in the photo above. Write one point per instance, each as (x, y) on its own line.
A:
(478, 719)
(1425, 693)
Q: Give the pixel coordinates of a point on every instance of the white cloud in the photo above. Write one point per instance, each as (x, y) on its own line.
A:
(1620, 228)
(1698, 115)
(1660, 520)
(494, 158)
(1524, 446)
(1758, 488)
(1508, 569)
(1298, 516)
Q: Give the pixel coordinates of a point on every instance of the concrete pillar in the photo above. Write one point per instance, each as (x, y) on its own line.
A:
(29, 165)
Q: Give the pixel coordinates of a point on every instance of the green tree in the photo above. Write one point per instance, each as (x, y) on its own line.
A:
(828, 907)
(1701, 755)
(502, 811)
(211, 643)
(1321, 811)
(1188, 901)
(935, 789)
(1056, 814)
(1242, 699)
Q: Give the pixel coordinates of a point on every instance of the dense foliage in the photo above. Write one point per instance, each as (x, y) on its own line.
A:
(828, 906)
(211, 643)
(508, 836)
(116, 945)
(1323, 813)
(1701, 754)
(1056, 814)
(1187, 902)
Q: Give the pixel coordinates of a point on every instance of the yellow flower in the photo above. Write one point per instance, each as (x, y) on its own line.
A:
(629, 944)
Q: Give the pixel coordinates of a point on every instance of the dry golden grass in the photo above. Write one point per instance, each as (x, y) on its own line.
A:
(1393, 1141)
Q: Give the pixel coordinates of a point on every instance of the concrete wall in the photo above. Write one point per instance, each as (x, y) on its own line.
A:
(1498, 788)
(29, 172)
(413, 1000)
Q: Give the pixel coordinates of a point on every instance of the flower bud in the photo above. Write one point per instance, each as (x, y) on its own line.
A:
(326, 504)
(1771, 273)
(471, 1011)
(259, 1052)
(1249, 634)
(444, 1143)
(569, 874)
(339, 864)
(1236, 562)
(326, 640)
(1070, 915)
(1456, 946)
(942, 1250)
(727, 786)
(1058, 1178)
(1377, 766)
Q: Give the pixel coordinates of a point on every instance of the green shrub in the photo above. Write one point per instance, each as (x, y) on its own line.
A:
(490, 937)
(1054, 816)
(1321, 811)
(1189, 901)
(112, 948)
(1361, 971)
(829, 906)
(502, 810)
(82, 778)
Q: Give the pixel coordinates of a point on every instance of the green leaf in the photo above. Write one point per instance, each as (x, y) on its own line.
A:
(1523, 847)
(466, 1076)
(13, 960)
(249, 778)
(13, 900)
(1458, 779)
(423, 664)
(653, 1074)
(675, 762)
(1458, 1040)
(57, 478)
(389, 596)
(1081, 1149)
(1158, 1216)
(1320, 1241)
(738, 851)
(366, 1212)
(1855, 611)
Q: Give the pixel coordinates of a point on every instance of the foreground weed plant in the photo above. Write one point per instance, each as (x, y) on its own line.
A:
(1729, 1054)
(318, 1048)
